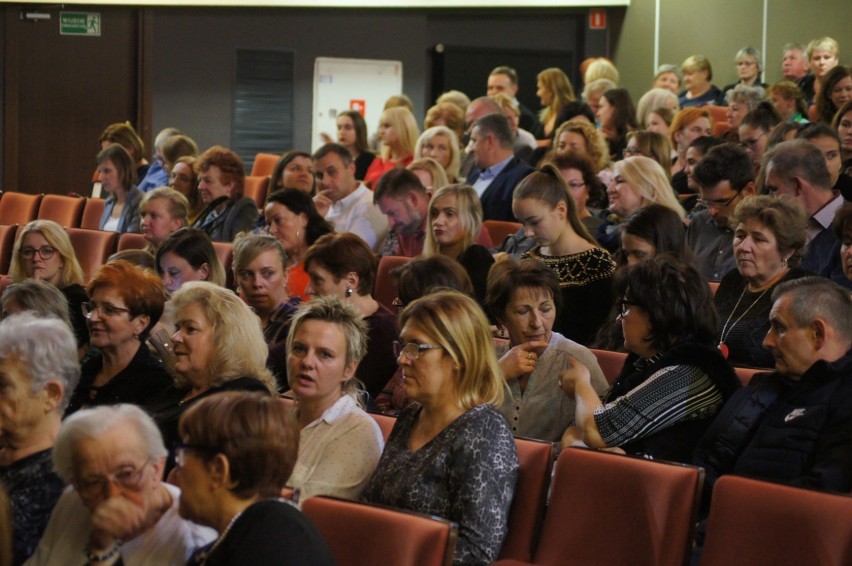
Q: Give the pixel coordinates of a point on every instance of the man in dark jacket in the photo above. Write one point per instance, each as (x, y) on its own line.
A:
(795, 424)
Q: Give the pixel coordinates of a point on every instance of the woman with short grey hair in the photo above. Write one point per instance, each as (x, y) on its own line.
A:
(38, 364)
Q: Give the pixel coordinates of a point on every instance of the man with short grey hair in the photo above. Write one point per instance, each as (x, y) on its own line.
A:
(795, 67)
(497, 170)
(797, 169)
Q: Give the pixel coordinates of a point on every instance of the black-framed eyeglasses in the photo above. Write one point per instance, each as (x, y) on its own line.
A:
(576, 185)
(412, 350)
(44, 252)
(181, 448)
(127, 477)
(105, 310)
(718, 203)
(749, 144)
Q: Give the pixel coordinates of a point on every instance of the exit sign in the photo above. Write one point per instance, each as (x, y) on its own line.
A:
(80, 23)
(597, 19)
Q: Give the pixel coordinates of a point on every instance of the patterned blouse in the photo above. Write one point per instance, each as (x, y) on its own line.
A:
(466, 474)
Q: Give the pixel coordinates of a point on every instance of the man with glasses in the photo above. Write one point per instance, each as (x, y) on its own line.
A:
(119, 509)
(724, 177)
(797, 169)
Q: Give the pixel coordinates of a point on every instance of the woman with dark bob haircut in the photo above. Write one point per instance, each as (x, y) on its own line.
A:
(617, 116)
(674, 380)
(524, 296)
(292, 218)
(188, 255)
(125, 303)
(343, 265)
(237, 451)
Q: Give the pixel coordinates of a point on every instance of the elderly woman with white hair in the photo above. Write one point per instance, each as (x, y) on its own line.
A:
(749, 68)
(38, 366)
(119, 510)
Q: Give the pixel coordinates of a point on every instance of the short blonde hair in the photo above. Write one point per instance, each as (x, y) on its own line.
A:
(469, 211)
(647, 178)
(452, 170)
(239, 347)
(601, 68)
(177, 204)
(71, 272)
(695, 63)
(450, 113)
(456, 323)
(402, 121)
(824, 44)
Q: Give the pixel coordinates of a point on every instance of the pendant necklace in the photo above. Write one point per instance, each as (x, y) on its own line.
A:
(727, 331)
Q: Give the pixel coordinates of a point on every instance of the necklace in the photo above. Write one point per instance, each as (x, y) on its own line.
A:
(727, 331)
(205, 554)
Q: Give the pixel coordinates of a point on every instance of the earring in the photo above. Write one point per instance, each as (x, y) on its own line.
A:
(348, 292)
(784, 262)
(298, 233)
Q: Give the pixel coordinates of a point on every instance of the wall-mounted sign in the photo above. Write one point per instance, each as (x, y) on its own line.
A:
(597, 19)
(80, 23)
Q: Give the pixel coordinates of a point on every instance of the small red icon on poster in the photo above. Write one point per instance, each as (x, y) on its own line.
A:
(359, 106)
(597, 19)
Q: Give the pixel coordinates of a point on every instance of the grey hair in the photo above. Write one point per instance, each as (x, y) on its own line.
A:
(335, 310)
(798, 157)
(668, 68)
(97, 421)
(598, 86)
(818, 297)
(39, 297)
(750, 95)
(165, 134)
(752, 52)
(48, 349)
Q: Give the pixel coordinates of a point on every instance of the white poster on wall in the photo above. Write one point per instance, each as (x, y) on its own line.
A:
(351, 84)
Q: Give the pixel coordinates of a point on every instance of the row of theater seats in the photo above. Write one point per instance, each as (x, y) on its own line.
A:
(606, 509)
(93, 248)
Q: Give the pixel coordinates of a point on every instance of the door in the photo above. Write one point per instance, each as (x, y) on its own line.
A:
(61, 91)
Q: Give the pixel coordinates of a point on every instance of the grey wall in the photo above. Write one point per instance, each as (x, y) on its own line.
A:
(194, 53)
(718, 29)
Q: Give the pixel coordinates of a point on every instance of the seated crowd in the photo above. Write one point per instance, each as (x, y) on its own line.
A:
(141, 419)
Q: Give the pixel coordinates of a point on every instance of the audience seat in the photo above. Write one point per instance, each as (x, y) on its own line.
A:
(714, 286)
(7, 243)
(719, 114)
(225, 252)
(527, 512)
(64, 210)
(612, 509)
(92, 212)
(754, 522)
(93, 248)
(264, 164)
(359, 534)
(611, 363)
(255, 188)
(131, 241)
(18, 208)
(385, 290)
(499, 230)
(745, 374)
(385, 423)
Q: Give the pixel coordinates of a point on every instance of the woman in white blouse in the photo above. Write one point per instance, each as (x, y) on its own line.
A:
(339, 444)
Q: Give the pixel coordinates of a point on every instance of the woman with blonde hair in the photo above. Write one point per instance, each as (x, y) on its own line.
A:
(554, 92)
(218, 346)
(455, 220)
(430, 173)
(579, 136)
(522, 138)
(441, 144)
(697, 88)
(542, 202)
(446, 114)
(398, 133)
(162, 211)
(637, 181)
(650, 144)
(450, 454)
(43, 251)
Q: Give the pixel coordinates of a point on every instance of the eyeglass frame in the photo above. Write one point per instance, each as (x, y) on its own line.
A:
(111, 310)
(180, 449)
(718, 203)
(399, 348)
(622, 312)
(746, 144)
(132, 480)
(29, 252)
(631, 151)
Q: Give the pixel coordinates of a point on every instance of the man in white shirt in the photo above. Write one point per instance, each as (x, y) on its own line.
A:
(342, 200)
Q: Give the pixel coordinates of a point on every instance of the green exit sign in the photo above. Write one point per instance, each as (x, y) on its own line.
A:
(80, 23)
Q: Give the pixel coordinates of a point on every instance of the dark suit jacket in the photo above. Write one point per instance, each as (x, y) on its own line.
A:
(497, 198)
(237, 217)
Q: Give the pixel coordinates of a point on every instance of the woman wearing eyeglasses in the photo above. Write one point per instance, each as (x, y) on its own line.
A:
(339, 443)
(237, 451)
(450, 453)
(125, 303)
(674, 380)
(43, 251)
(754, 131)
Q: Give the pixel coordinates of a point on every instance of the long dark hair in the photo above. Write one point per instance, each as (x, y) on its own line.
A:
(299, 202)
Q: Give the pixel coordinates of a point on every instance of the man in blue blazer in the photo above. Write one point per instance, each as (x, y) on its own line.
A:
(497, 170)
